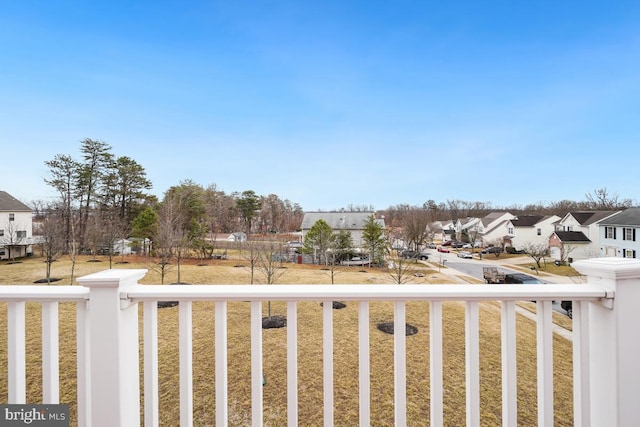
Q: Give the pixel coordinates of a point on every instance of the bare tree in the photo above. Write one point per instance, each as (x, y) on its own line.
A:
(252, 254)
(52, 239)
(601, 199)
(270, 264)
(565, 251)
(399, 268)
(537, 251)
(166, 237)
(415, 228)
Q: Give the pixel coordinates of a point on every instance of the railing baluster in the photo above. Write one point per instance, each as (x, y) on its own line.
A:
(327, 360)
(256, 364)
(50, 354)
(581, 376)
(544, 341)
(435, 364)
(400, 362)
(151, 404)
(221, 352)
(186, 363)
(292, 363)
(509, 367)
(364, 364)
(472, 350)
(17, 380)
(82, 360)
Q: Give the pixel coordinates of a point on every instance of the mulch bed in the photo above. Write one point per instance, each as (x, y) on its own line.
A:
(388, 328)
(274, 322)
(53, 279)
(337, 305)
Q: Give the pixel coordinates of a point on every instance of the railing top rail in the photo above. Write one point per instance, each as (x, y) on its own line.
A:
(42, 293)
(388, 292)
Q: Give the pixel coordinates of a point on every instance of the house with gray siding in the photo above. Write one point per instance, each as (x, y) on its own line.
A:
(619, 235)
(354, 222)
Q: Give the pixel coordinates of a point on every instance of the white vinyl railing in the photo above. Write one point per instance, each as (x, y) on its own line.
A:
(606, 379)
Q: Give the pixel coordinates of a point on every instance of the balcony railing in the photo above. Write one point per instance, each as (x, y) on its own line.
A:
(606, 348)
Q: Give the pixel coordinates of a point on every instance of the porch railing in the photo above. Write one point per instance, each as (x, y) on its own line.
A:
(606, 348)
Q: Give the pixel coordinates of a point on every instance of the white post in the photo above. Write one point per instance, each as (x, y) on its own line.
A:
(614, 344)
(113, 349)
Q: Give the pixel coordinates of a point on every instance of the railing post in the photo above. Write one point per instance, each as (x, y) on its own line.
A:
(113, 349)
(614, 345)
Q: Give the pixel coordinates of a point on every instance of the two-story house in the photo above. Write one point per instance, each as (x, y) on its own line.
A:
(493, 227)
(619, 236)
(577, 235)
(354, 222)
(16, 229)
(530, 229)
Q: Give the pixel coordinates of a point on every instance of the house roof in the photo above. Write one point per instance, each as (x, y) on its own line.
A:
(589, 217)
(339, 220)
(10, 203)
(630, 216)
(489, 218)
(526, 220)
(572, 236)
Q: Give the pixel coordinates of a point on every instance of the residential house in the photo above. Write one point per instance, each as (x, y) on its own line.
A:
(442, 231)
(530, 229)
(353, 222)
(493, 227)
(16, 228)
(619, 236)
(577, 235)
(488, 230)
(466, 228)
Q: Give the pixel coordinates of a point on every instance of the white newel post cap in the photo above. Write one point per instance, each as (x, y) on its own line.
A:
(112, 278)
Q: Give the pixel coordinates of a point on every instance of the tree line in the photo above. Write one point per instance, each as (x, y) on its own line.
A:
(103, 198)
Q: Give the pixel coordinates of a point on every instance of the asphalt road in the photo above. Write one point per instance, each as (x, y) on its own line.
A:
(473, 268)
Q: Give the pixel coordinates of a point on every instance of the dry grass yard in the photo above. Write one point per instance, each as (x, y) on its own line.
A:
(309, 350)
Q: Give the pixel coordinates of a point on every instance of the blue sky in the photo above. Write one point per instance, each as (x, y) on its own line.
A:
(331, 103)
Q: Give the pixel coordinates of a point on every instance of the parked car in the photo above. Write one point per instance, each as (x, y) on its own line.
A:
(492, 250)
(431, 245)
(448, 243)
(465, 254)
(520, 278)
(415, 255)
(443, 249)
(457, 244)
(568, 307)
(466, 246)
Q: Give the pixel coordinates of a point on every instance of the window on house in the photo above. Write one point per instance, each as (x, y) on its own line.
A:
(21, 234)
(570, 228)
(610, 232)
(629, 253)
(629, 234)
(510, 230)
(539, 231)
(12, 217)
(1, 233)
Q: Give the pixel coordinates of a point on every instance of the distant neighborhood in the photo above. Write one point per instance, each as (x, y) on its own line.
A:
(576, 235)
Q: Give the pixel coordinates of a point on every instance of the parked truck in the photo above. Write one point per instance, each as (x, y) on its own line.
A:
(492, 275)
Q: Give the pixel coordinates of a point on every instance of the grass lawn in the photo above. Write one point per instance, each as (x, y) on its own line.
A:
(309, 352)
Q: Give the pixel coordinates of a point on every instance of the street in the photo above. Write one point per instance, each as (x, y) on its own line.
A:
(473, 268)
